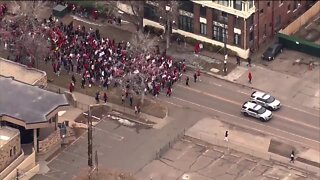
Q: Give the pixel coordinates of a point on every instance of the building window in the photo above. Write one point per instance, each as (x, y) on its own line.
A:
(250, 21)
(250, 4)
(236, 22)
(185, 23)
(203, 12)
(150, 13)
(14, 150)
(268, 3)
(278, 21)
(220, 16)
(295, 5)
(237, 5)
(187, 6)
(251, 36)
(219, 33)
(10, 152)
(289, 8)
(237, 39)
(223, 2)
(203, 28)
(261, 11)
(280, 1)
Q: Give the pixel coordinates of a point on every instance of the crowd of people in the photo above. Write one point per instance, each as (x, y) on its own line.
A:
(103, 62)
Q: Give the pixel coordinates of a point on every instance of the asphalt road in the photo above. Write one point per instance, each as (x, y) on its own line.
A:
(224, 99)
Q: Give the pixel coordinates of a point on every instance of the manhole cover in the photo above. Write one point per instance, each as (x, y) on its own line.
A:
(185, 177)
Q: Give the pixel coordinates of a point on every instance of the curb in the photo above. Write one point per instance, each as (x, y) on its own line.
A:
(221, 78)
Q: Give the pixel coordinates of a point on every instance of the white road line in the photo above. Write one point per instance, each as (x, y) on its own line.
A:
(242, 92)
(264, 132)
(239, 104)
(212, 83)
(308, 25)
(113, 135)
(291, 107)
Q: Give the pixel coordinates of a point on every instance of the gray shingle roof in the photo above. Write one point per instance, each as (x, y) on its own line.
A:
(26, 102)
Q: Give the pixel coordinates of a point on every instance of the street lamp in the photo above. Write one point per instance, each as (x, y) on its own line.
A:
(168, 27)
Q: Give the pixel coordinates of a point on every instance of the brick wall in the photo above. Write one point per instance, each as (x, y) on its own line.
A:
(48, 143)
(5, 158)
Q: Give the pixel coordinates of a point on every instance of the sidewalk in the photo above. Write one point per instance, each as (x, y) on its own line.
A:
(253, 143)
(83, 102)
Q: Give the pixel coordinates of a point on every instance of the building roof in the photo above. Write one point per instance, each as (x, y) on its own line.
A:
(20, 72)
(27, 103)
(6, 134)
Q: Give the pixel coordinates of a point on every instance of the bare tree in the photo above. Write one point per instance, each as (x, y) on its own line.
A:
(142, 46)
(23, 30)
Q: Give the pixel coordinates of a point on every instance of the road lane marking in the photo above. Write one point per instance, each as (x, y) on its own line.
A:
(239, 104)
(259, 124)
(215, 84)
(291, 107)
(242, 92)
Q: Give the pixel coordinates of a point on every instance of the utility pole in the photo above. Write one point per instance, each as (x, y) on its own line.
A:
(225, 49)
(90, 164)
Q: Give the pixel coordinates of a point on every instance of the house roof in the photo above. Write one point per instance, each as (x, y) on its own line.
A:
(27, 103)
(20, 72)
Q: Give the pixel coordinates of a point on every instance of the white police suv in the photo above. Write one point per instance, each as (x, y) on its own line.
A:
(256, 110)
(265, 100)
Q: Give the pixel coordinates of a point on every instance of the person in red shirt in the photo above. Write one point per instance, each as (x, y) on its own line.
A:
(249, 77)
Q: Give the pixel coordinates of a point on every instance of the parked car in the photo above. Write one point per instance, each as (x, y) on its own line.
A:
(272, 51)
(256, 111)
(265, 100)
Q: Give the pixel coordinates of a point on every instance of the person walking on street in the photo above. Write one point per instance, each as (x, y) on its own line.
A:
(131, 99)
(105, 97)
(71, 87)
(198, 74)
(238, 60)
(195, 77)
(169, 92)
(226, 136)
(83, 82)
(187, 81)
(249, 62)
(292, 157)
(249, 77)
(97, 97)
(73, 79)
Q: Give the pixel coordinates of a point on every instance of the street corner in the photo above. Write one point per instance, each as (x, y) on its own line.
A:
(187, 160)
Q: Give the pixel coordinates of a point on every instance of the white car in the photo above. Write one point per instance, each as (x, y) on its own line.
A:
(256, 110)
(265, 100)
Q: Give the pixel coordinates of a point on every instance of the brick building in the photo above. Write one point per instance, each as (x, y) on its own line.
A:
(243, 25)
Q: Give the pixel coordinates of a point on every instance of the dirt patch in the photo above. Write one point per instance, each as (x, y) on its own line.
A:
(281, 149)
(207, 66)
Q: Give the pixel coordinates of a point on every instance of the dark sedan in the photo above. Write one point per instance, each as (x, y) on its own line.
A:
(272, 52)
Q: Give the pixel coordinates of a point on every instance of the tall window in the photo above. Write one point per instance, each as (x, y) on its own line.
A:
(203, 11)
(251, 36)
(237, 22)
(250, 20)
(250, 4)
(185, 23)
(223, 2)
(150, 13)
(237, 39)
(187, 6)
(220, 16)
(203, 28)
(237, 4)
(219, 33)
(295, 4)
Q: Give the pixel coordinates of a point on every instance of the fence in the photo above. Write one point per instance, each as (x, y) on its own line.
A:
(168, 145)
(255, 152)
(298, 44)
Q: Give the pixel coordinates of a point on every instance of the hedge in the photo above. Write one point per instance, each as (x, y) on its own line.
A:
(174, 36)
